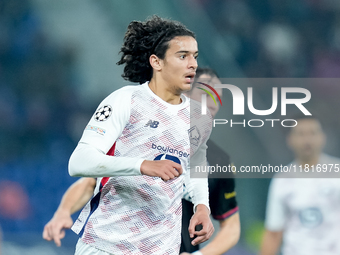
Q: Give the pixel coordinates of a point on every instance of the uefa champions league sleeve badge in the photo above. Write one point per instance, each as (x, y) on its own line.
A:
(103, 113)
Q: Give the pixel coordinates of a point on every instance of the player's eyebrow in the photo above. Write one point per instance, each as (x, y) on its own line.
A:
(186, 51)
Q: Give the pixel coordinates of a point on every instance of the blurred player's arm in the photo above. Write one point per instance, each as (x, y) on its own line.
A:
(226, 238)
(275, 220)
(223, 204)
(77, 195)
(271, 242)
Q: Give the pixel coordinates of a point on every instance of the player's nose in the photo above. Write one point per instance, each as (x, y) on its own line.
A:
(192, 64)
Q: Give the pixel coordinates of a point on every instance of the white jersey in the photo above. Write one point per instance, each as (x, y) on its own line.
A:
(139, 214)
(307, 210)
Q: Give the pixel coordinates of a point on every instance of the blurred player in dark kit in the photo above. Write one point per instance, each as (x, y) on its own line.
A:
(222, 194)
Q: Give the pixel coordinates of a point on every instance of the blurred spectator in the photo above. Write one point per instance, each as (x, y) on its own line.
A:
(274, 38)
(0, 241)
(37, 102)
(36, 86)
(14, 202)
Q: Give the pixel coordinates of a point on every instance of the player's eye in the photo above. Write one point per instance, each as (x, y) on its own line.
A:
(196, 56)
(182, 56)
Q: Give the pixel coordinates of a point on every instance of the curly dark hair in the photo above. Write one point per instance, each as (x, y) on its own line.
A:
(142, 39)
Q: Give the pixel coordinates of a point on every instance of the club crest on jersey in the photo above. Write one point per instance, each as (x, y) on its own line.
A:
(103, 113)
(194, 135)
(311, 217)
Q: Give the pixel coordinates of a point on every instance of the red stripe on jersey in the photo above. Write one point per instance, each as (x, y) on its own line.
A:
(111, 152)
(103, 182)
(226, 215)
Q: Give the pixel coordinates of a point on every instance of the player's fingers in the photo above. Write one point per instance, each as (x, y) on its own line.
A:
(210, 231)
(165, 177)
(174, 172)
(205, 236)
(50, 232)
(201, 236)
(191, 228)
(46, 235)
(178, 167)
(209, 234)
(201, 232)
(207, 228)
(57, 236)
(57, 241)
(62, 234)
(200, 239)
(171, 174)
(56, 231)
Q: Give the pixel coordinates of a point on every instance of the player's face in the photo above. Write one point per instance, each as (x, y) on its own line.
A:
(307, 139)
(180, 63)
(196, 93)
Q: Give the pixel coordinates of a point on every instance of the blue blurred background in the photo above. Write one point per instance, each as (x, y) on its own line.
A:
(57, 62)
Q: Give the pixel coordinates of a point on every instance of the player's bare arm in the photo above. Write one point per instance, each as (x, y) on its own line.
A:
(226, 238)
(77, 195)
(271, 242)
(165, 169)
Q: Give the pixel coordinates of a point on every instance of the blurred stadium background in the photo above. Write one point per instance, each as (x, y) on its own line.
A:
(57, 62)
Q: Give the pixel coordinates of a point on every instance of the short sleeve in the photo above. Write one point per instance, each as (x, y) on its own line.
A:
(222, 198)
(275, 212)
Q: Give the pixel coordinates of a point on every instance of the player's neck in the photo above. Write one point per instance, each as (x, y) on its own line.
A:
(161, 89)
(312, 161)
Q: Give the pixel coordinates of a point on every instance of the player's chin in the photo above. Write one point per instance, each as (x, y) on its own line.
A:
(186, 87)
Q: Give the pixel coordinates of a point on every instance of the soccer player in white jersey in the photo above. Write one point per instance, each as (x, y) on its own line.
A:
(303, 211)
(137, 146)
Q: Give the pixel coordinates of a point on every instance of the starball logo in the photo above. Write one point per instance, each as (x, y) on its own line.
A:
(239, 105)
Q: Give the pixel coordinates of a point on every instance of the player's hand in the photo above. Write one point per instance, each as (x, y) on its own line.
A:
(165, 169)
(201, 217)
(55, 228)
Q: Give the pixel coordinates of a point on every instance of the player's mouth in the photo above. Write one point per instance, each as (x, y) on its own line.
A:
(189, 78)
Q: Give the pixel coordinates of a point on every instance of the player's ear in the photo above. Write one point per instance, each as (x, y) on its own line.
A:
(155, 62)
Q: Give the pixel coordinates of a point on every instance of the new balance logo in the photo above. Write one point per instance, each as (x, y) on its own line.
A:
(152, 124)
